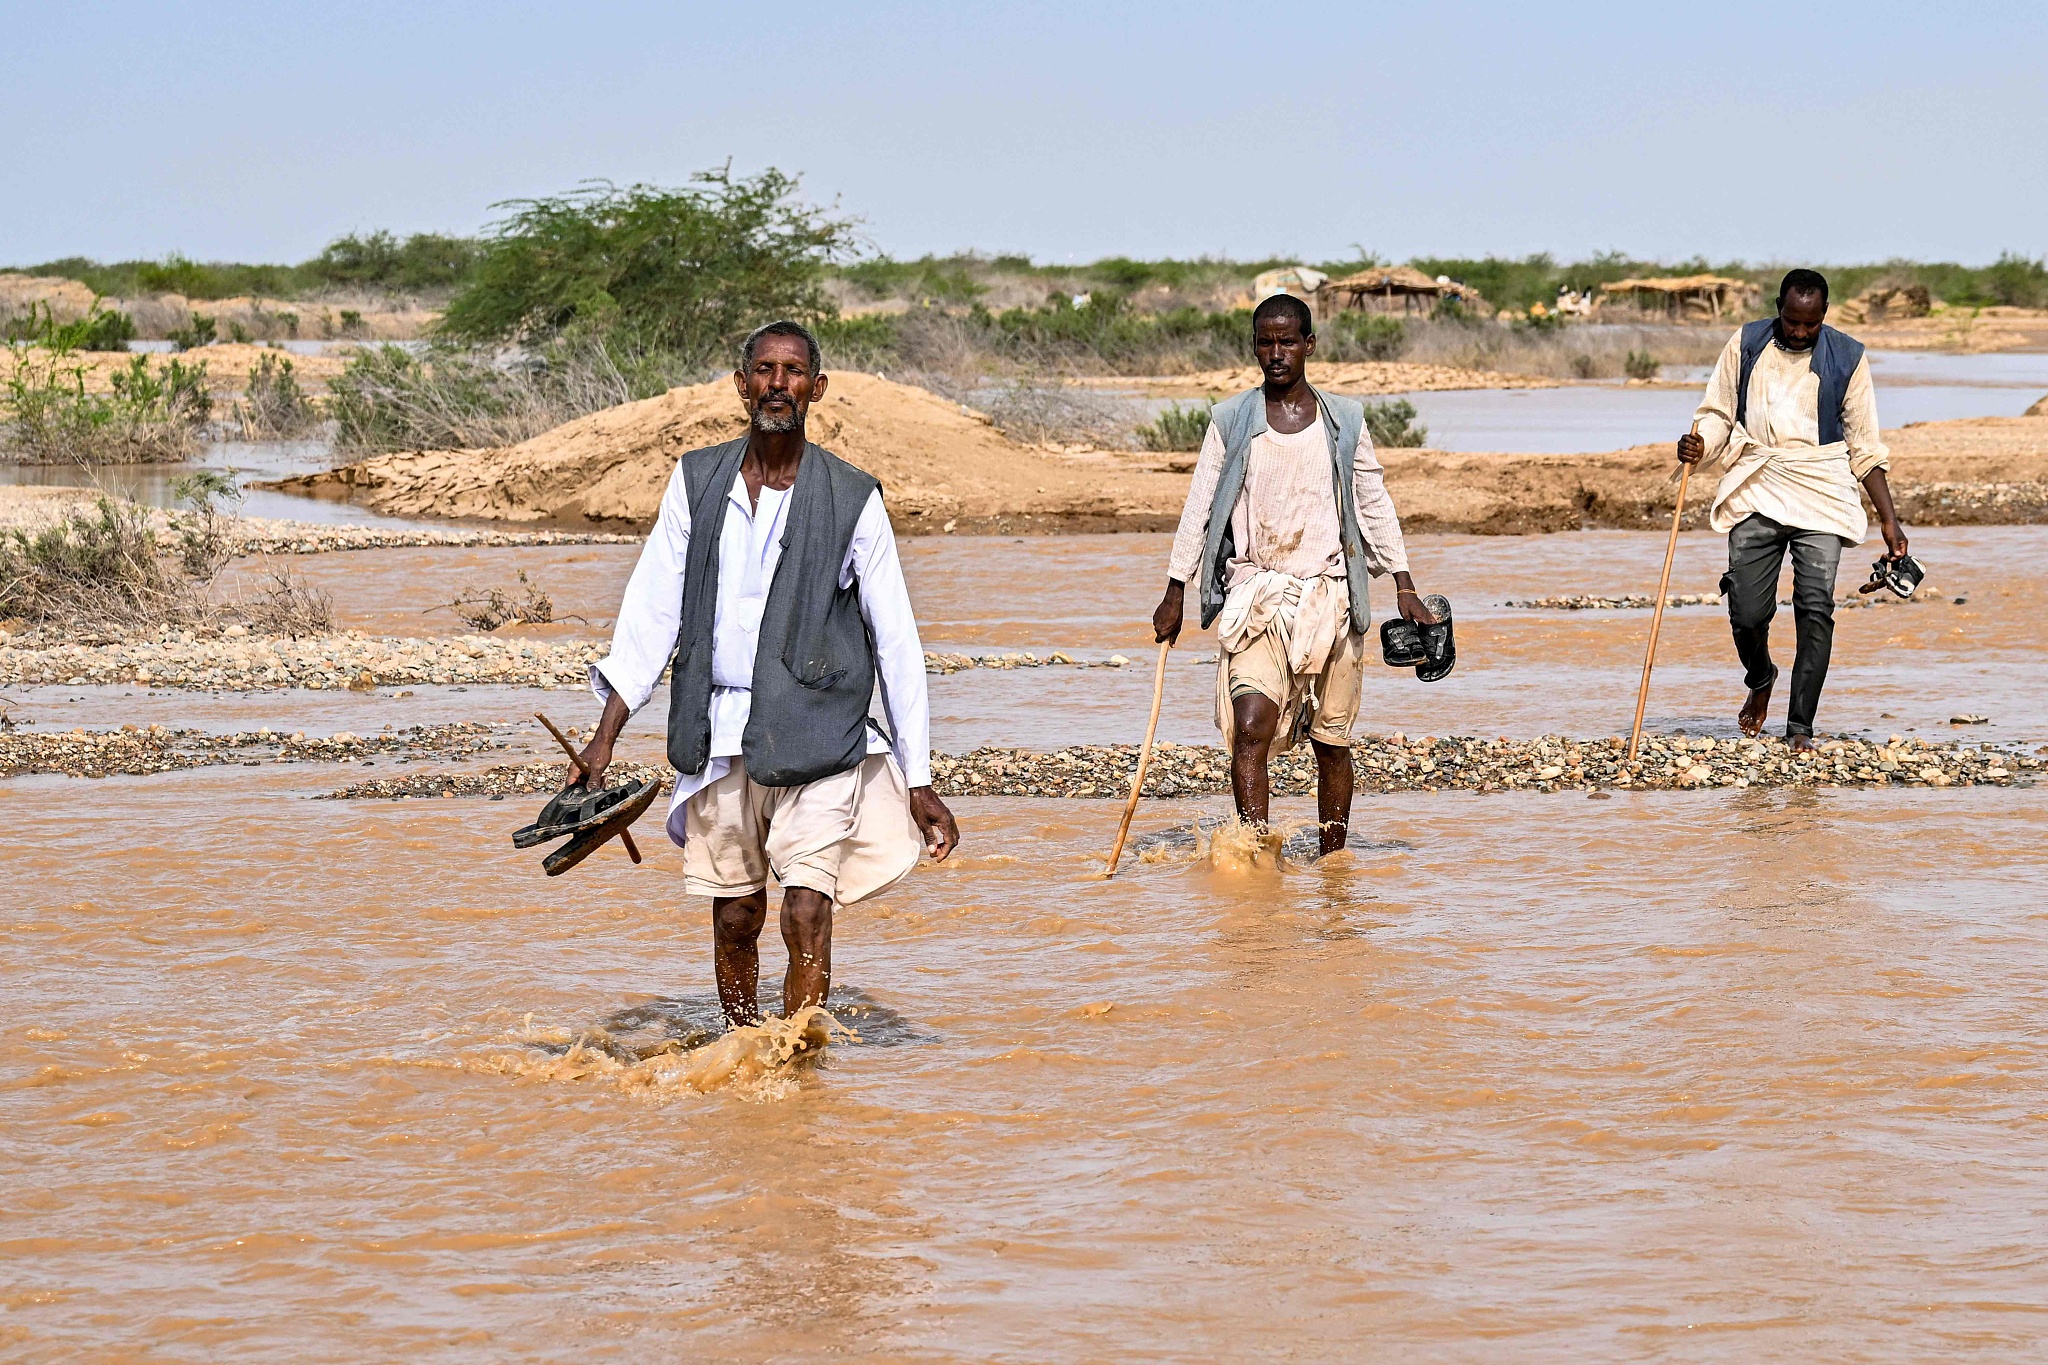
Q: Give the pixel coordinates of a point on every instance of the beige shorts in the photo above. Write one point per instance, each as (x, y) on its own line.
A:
(1261, 667)
(848, 836)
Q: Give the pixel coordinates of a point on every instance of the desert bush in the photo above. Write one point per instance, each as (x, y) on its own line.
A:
(101, 329)
(204, 543)
(390, 399)
(273, 406)
(200, 331)
(1177, 428)
(1641, 365)
(106, 574)
(680, 271)
(1392, 423)
(97, 567)
(1360, 335)
(1584, 366)
(150, 414)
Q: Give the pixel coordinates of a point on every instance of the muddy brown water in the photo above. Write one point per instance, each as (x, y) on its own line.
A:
(1699, 1076)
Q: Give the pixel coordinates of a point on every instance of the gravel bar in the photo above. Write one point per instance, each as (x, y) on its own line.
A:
(359, 662)
(1383, 764)
(351, 661)
(138, 750)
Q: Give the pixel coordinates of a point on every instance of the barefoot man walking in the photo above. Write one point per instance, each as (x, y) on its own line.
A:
(1287, 519)
(770, 582)
(1791, 412)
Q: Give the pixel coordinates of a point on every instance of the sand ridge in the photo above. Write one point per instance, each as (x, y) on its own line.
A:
(939, 462)
(944, 468)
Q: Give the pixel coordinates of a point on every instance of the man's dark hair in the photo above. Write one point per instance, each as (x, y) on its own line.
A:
(783, 328)
(1803, 281)
(1285, 305)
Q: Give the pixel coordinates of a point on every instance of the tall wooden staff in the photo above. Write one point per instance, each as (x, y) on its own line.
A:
(1635, 735)
(1144, 760)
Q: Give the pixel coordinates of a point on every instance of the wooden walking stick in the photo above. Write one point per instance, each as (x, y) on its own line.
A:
(1635, 735)
(1144, 760)
(575, 767)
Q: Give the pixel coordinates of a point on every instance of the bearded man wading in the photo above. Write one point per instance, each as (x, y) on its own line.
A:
(1287, 519)
(770, 582)
(1791, 411)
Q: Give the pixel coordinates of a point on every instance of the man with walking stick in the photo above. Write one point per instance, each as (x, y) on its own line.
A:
(1791, 413)
(1286, 520)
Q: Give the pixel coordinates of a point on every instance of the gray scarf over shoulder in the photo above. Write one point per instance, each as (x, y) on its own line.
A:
(1241, 419)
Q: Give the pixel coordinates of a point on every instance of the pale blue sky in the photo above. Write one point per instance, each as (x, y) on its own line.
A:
(1816, 131)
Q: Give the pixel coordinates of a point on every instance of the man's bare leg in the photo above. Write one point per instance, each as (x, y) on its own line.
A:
(807, 933)
(1256, 721)
(736, 954)
(1756, 709)
(1333, 793)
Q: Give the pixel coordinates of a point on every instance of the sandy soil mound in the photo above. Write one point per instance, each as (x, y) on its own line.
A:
(227, 365)
(1987, 470)
(938, 462)
(944, 467)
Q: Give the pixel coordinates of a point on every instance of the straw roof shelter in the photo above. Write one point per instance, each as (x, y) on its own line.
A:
(1679, 296)
(1398, 289)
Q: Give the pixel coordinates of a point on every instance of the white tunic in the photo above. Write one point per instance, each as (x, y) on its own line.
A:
(749, 548)
(1776, 463)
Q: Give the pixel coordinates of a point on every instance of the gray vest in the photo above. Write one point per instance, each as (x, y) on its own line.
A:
(1835, 357)
(1239, 420)
(814, 662)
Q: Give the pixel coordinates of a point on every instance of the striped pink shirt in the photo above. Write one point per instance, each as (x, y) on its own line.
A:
(1286, 518)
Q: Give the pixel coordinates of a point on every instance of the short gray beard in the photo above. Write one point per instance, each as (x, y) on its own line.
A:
(770, 424)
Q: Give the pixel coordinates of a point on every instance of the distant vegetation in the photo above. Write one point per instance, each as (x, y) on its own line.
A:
(608, 293)
(425, 263)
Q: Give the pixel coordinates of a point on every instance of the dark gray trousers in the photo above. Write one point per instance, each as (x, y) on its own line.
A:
(1756, 554)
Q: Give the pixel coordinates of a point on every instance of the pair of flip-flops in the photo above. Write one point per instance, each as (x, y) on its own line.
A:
(1431, 650)
(587, 817)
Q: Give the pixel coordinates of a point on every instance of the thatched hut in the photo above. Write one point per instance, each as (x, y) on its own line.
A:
(1398, 289)
(1683, 297)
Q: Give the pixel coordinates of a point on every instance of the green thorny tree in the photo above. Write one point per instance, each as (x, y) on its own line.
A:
(684, 272)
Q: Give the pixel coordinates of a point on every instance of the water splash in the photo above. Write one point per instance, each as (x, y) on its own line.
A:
(761, 1061)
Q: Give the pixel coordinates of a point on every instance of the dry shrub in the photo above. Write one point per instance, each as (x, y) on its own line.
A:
(106, 574)
(286, 606)
(489, 608)
(274, 407)
(96, 571)
(1045, 414)
(390, 399)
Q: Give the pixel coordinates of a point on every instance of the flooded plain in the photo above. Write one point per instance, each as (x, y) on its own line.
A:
(1702, 1076)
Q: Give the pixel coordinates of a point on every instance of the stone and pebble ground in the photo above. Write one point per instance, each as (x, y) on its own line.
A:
(254, 535)
(352, 660)
(1383, 764)
(137, 750)
(1580, 601)
(239, 661)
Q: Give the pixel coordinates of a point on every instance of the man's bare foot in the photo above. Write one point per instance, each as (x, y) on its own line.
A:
(1799, 744)
(1751, 716)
